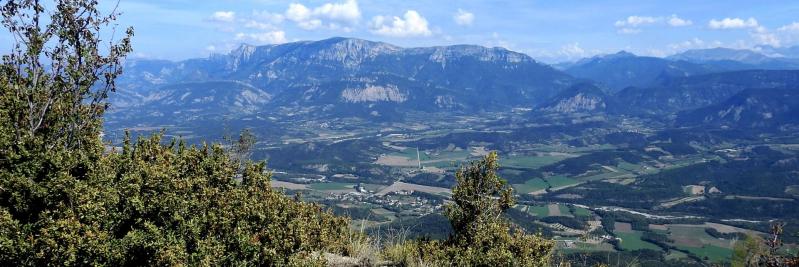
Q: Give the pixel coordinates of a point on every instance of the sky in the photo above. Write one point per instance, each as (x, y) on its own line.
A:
(550, 31)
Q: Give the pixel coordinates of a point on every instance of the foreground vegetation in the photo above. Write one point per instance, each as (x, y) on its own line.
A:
(68, 199)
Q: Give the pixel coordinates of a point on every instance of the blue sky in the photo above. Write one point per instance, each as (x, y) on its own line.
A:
(550, 31)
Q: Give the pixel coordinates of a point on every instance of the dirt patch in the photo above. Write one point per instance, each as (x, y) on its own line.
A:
(621, 181)
(400, 186)
(569, 196)
(792, 189)
(431, 169)
(694, 189)
(611, 169)
(398, 161)
(661, 227)
(723, 228)
(554, 210)
(593, 225)
(681, 201)
(623, 227)
(538, 192)
(479, 151)
(287, 185)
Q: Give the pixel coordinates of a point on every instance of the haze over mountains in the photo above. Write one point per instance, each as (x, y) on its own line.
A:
(343, 77)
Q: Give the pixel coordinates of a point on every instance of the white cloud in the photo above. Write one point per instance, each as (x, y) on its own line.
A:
(628, 31)
(761, 35)
(253, 24)
(676, 21)
(330, 15)
(298, 12)
(790, 27)
(223, 16)
(573, 50)
(268, 17)
(635, 21)
(633, 24)
(733, 23)
(411, 24)
(694, 43)
(463, 17)
(273, 37)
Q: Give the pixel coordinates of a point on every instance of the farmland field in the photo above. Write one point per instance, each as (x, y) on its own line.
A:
(560, 181)
(331, 186)
(711, 252)
(531, 185)
(632, 241)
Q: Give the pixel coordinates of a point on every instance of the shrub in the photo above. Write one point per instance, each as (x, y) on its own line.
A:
(481, 235)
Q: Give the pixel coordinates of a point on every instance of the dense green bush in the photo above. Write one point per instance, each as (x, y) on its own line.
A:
(66, 199)
(481, 235)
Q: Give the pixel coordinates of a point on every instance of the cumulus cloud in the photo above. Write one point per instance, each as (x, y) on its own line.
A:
(272, 37)
(331, 15)
(463, 17)
(254, 24)
(676, 21)
(223, 16)
(572, 51)
(761, 35)
(628, 31)
(633, 24)
(268, 17)
(635, 21)
(790, 27)
(733, 23)
(412, 24)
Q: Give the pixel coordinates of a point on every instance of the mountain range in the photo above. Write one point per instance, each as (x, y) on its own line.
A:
(353, 76)
(345, 77)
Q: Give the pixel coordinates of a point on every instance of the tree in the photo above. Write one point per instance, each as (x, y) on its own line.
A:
(57, 78)
(482, 237)
(67, 200)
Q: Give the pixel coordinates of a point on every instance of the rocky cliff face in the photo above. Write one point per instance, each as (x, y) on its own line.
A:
(360, 76)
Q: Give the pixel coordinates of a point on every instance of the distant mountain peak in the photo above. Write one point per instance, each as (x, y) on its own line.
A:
(621, 54)
(719, 54)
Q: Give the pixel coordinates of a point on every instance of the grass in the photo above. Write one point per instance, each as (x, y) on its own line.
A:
(411, 154)
(559, 181)
(675, 255)
(632, 241)
(331, 186)
(564, 210)
(539, 211)
(688, 233)
(714, 249)
(531, 185)
(581, 212)
(711, 252)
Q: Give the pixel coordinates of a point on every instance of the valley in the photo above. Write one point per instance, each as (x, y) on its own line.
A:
(644, 168)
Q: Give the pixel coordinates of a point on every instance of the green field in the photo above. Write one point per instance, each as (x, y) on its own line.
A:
(713, 248)
(632, 241)
(411, 154)
(580, 212)
(531, 185)
(539, 211)
(711, 252)
(331, 186)
(559, 181)
(529, 162)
